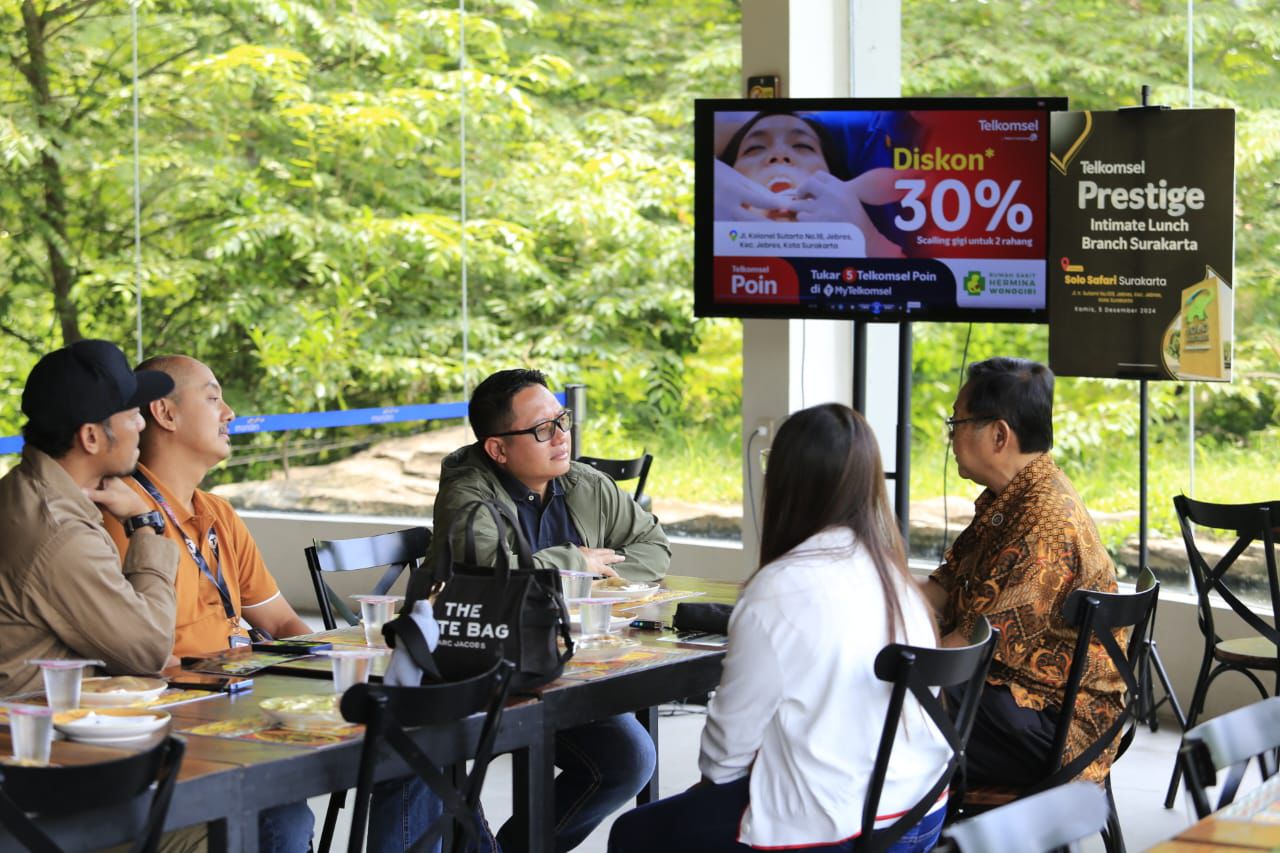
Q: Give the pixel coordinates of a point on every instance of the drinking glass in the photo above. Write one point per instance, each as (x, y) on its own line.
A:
(31, 729)
(576, 584)
(352, 666)
(596, 614)
(62, 681)
(375, 610)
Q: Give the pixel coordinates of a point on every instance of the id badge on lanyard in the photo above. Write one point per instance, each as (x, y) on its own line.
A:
(214, 575)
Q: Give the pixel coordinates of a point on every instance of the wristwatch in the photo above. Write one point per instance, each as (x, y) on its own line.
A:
(152, 519)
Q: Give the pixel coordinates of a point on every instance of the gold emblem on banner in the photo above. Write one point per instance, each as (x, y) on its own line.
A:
(1067, 133)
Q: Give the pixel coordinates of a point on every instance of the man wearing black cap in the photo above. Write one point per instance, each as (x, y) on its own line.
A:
(63, 593)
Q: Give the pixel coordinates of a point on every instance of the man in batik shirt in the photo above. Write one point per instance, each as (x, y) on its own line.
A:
(1031, 543)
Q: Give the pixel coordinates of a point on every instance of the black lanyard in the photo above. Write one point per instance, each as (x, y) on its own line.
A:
(193, 549)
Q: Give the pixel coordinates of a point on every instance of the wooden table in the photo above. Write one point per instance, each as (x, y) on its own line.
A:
(226, 782)
(573, 701)
(1252, 822)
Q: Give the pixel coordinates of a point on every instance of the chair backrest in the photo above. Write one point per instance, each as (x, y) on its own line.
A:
(1249, 523)
(1052, 820)
(397, 551)
(624, 469)
(1097, 616)
(1229, 742)
(387, 711)
(27, 792)
(922, 671)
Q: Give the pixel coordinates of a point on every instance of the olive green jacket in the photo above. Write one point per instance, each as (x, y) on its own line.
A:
(603, 515)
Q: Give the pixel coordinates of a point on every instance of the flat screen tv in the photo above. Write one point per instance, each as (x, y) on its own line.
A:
(904, 209)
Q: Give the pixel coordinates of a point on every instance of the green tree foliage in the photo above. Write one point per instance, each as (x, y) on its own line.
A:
(301, 179)
(1100, 53)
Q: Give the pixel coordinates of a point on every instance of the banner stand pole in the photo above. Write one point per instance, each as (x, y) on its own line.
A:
(1143, 438)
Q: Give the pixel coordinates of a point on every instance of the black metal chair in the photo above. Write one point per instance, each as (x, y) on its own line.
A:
(1154, 670)
(922, 671)
(1249, 523)
(1097, 616)
(1229, 742)
(387, 711)
(398, 550)
(1053, 820)
(29, 793)
(621, 470)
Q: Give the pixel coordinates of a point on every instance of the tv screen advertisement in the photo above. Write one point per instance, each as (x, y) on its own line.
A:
(883, 210)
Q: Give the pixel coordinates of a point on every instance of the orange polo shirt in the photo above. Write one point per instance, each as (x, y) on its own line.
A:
(202, 623)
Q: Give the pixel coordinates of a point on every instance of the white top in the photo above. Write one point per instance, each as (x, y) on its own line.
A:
(799, 698)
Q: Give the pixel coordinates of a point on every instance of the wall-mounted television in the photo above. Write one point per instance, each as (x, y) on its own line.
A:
(903, 209)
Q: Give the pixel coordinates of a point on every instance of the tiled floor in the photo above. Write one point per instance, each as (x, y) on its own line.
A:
(1139, 780)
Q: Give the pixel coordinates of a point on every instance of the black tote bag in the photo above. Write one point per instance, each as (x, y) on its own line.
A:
(512, 611)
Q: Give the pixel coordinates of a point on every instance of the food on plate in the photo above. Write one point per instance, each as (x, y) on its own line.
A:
(614, 583)
(120, 684)
(319, 703)
(621, 585)
(316, 711)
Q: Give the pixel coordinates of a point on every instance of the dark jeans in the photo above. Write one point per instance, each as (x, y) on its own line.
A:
(285, 829)
(400, 812)
(705, 820)
(602, 766)
(1010, 745)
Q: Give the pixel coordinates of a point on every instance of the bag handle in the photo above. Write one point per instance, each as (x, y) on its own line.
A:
(410, 635)
(507, 528)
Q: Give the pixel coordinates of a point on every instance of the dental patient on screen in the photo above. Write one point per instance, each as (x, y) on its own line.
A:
(805, 178)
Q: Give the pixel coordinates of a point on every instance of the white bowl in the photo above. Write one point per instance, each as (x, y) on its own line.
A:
(120, 690)
(108, 725)
(630, 592)
(313, 712)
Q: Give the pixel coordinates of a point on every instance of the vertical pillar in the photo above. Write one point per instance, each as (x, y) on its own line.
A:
(819, 48)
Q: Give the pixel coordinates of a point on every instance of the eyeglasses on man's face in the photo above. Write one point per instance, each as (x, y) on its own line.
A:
(952, 423)
(543, 430)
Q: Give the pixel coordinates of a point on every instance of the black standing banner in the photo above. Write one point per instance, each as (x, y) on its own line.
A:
(1141, 243)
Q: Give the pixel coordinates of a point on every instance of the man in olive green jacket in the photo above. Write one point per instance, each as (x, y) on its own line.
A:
(575, 517)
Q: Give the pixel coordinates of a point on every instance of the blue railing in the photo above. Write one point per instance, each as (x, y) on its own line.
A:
(322, 420)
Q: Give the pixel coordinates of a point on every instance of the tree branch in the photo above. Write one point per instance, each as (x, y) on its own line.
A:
(70, 8)
(75, 18)
(35, 346)
(171, 315)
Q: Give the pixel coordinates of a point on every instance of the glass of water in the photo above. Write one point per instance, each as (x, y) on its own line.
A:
(31, 729)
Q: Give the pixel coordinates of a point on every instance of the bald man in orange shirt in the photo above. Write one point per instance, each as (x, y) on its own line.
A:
(222, 580)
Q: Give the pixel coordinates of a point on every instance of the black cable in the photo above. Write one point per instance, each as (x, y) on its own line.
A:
(751, 476)
(804, 342)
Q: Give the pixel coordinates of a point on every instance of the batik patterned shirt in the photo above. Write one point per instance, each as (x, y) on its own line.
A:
(1026, 550)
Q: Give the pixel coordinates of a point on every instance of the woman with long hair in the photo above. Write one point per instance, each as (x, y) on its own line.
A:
(793, 728)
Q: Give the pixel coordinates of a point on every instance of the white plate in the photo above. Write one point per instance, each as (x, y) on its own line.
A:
(108, 725)
(632, 592)
(603, 649)
(306, 719)
(90, 697)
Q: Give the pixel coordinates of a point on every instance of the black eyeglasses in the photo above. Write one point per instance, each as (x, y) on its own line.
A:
(952, 423)
(544, 430)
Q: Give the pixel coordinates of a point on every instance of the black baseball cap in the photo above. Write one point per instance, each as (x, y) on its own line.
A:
(86, 383)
